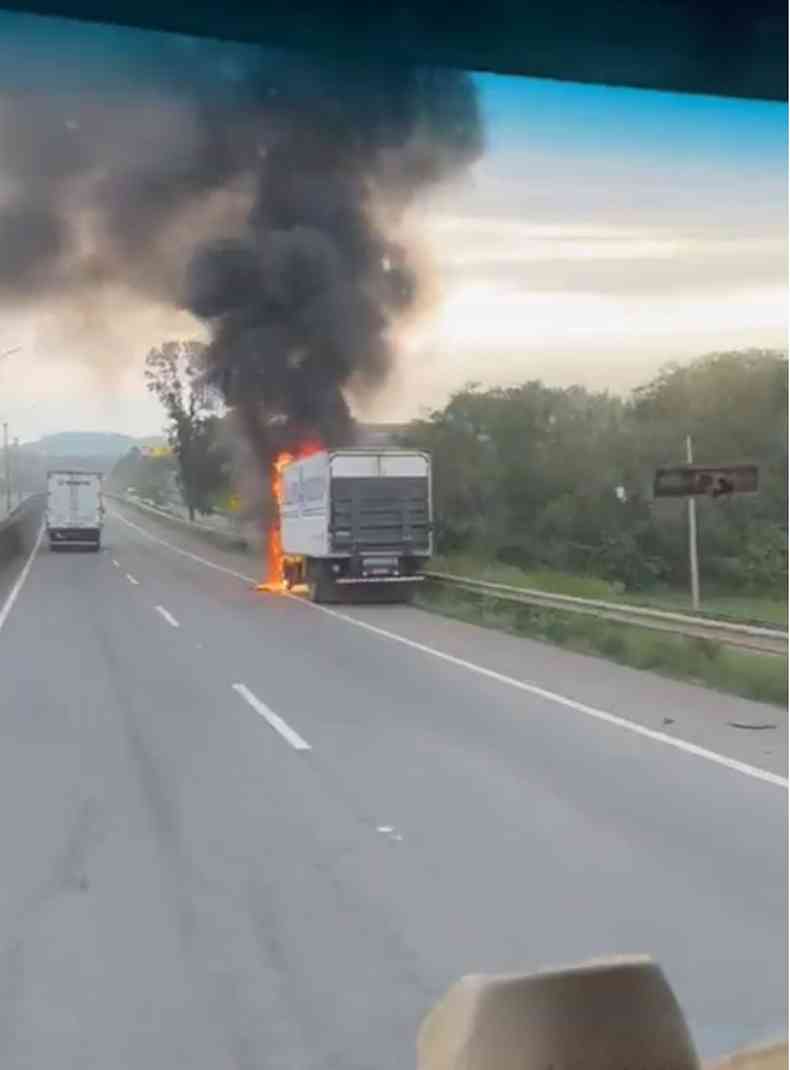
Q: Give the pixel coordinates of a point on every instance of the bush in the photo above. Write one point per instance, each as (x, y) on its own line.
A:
(621, 558)
(611, 642)
(704, 649)
(522, 557)
(755, 676)
(527, 620)
(451, 540)
(765, 559)
(558, 629)
(651, 651)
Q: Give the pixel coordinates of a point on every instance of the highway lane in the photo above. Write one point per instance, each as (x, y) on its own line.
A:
(186, 887)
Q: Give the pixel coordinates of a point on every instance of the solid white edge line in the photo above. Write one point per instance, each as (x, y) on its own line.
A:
(180, 550)
(579, 707)
(521, 685)
(131, 579)
(171, 620)
(13, 594)
(277, 723)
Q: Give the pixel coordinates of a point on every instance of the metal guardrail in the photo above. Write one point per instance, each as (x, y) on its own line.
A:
(20, 501)
(18, 528)
(751, 637)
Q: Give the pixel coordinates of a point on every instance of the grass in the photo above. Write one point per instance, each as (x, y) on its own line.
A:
(751, 609)
(762, 677)
(541, 579)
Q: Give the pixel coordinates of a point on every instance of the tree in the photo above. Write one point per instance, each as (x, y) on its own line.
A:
(529, 474)
(173, 372)
(151, 476)
(734, 404)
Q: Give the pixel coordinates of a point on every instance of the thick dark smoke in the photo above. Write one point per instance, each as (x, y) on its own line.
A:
(125, 158)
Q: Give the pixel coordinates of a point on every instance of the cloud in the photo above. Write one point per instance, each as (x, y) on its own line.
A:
(608, 259)
(500, 318)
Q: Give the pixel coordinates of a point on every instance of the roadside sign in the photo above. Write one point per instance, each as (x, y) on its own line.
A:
(713, 481)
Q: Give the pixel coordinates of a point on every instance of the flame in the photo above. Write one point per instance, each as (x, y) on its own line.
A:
(275, 580)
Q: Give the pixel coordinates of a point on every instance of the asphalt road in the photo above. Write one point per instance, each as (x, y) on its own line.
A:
(237, 831)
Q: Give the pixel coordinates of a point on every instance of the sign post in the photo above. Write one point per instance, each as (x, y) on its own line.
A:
(693, 558)
(692, 480)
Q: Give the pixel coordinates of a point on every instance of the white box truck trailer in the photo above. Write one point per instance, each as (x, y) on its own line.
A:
(357, 518)
(75, 509)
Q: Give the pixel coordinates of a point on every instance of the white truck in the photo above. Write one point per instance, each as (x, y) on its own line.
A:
(357, 518)
(75, 509)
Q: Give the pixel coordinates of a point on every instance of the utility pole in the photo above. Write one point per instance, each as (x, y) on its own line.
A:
(15, 470)
(693, 558)
(7, 464)
(6, 456)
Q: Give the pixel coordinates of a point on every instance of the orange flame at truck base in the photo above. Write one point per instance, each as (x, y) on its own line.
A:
(275, 557)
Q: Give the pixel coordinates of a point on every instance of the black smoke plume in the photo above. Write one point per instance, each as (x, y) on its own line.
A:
(125, 158)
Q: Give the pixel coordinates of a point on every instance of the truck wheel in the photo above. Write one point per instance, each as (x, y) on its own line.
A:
(291, 575)
(398, 593)
(311, 581)
(320, 585)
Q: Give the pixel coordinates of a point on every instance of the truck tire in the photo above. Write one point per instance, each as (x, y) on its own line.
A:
(405, 596)
(292, 575)
(397, 593)
(321, 587)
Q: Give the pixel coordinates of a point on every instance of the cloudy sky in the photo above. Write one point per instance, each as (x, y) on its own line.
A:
(603, 233)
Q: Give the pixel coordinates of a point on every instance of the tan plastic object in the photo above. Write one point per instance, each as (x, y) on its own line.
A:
(771, 1057)
(609, 1014)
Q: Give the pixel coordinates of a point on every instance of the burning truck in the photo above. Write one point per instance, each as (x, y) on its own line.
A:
(351, 519)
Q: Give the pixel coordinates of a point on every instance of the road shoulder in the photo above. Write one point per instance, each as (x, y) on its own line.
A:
(737, 729)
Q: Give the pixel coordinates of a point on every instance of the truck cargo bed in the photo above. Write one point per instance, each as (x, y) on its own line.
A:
(380, 514)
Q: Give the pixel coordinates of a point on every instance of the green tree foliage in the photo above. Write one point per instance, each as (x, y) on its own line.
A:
(538, 476)
(152, 478)
(173, 373)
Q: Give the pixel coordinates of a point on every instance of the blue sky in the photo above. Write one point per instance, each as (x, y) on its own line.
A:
(582, 120)
(605, 232)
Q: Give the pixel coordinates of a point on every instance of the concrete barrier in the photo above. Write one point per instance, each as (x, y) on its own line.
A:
(19, 529)
(225, 540)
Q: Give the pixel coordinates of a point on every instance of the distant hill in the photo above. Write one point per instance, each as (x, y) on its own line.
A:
(107, 444)
(94, 451)
(107, 447)
(82, 444)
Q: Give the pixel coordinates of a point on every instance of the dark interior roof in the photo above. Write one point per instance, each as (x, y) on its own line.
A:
(699, 46)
